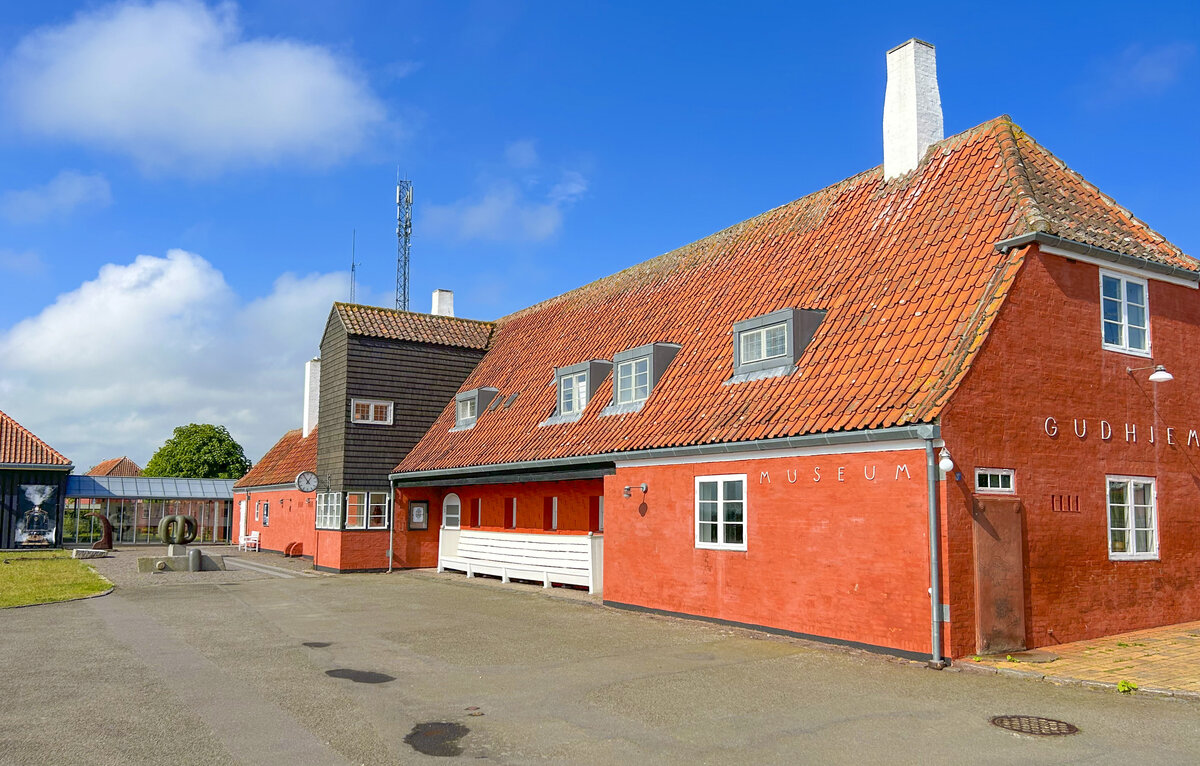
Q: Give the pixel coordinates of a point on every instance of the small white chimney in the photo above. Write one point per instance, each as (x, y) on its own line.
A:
(912, 107)
(443, 303)
(312, 394)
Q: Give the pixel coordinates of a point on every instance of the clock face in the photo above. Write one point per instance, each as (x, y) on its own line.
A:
(306, 482)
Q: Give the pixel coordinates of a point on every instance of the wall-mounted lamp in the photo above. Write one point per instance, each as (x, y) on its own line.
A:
(628, 491)
(944, 461)
(1160, 374)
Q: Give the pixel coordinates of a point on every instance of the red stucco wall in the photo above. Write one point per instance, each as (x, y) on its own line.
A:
(842, 557)
(1044, 359)
(292, 518)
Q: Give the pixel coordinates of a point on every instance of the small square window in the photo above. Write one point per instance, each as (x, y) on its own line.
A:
(721, 512)
(1132, 518)
(633, 381)
(1124, 315)
(356, 510)
(371, 411)
(329, 510)
(377, 510)
(995, 480)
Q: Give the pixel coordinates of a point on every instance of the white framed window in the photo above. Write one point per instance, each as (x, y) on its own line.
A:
(600, 523)
(356, 510)
(572, 393)
(763, 343)
(257, 510)
(721, 512)
(377, 510)
(465, 411)
(451, 512)
(329, 510)
(266, 513)
(1124, 313)
(633, 381)
(1132, 518)
(995, 480)
(373, 411)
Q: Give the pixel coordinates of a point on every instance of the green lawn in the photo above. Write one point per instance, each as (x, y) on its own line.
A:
(41, 577)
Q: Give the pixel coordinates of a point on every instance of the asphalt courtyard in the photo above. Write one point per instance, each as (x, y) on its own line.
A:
(244, 667)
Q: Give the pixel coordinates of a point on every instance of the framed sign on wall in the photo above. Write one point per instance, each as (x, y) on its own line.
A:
(418, 514)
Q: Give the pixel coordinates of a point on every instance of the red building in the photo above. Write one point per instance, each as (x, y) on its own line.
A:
(115, 466)
(268, 501)
(969, 345)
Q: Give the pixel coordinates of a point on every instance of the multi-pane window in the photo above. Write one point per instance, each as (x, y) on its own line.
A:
(1132, 518)
(266, 513)
(721, 512)
(377, 510)
(763, 343)
(994, 480)
(465, 411)
(356, 510)
(329, 510)
(257, 510)
(371, 411)
(572, 393)
(1124, 316)
(633, 381)
(452, 512)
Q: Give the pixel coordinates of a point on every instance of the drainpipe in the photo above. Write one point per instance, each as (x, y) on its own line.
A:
(935, 566)
(391, 524)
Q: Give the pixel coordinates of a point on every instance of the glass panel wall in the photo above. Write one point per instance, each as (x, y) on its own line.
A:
(136, 520)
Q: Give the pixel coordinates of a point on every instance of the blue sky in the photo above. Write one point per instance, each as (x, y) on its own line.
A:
(548, 143)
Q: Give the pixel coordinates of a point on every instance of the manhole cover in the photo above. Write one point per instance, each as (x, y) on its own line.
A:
(437, 738)
(1032, 724)
(360, 676)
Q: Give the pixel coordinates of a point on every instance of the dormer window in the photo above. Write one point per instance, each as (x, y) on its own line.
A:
(468, 405)
(574, 387)
(636, 373)
(771, 345)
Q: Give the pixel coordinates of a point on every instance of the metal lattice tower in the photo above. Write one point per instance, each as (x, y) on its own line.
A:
(403, 239)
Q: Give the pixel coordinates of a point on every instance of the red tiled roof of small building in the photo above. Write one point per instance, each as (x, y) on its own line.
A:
(18, 446)
(117, 466)
(906, 270)
(290, 456)
(376, 322)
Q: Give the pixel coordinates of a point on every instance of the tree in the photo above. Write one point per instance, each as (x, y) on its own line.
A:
(199, 451)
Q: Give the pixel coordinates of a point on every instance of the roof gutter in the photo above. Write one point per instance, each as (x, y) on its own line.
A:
(898, 433)
(36, 467)
(1099, 253)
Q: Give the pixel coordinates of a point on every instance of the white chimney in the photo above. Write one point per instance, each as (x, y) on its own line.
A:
(312, 394)
(443, 303)
(912, 107)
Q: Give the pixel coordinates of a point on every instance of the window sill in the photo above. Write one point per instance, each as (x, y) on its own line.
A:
(1001, 492)
(1133, 557)
(1129, 351)
(622, 409)
(555, 420)
(770, 372)
(719, 547)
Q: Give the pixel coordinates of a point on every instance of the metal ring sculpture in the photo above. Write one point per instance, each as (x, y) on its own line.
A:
(177, 529)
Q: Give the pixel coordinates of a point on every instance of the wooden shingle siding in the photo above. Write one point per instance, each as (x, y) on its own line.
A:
(418, 378)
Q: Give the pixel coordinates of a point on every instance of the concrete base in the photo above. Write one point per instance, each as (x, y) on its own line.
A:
(177, 550)
(208, 563)
(88, 553)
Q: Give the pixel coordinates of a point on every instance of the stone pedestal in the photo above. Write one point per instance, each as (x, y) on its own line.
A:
(88, 553)
(208, 563)
(177, 550)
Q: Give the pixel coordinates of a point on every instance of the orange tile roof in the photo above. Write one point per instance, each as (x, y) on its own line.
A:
(906, 270)
(393, 324)
(20, 447)
(292, 454)
(117, 466)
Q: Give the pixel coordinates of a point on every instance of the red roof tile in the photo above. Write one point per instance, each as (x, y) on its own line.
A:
(291, 455)
(19, 446)
(117, 466)
(376, 322)
(906, 270)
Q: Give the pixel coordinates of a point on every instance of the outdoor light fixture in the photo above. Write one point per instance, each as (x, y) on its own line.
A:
(644, 487)
(628, 492)
(1160, 374)
(944, 461)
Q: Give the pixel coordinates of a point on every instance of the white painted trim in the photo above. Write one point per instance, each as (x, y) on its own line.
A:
(721, 479)
(372, 402)
(1109, 265)
(1012, 476)
(901, 445)
(1152, 555)
(1126, 349)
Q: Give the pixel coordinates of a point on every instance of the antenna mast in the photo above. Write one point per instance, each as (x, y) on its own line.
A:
(403, 238)
(353, 264)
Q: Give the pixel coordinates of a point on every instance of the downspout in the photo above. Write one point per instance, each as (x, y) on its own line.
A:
(391, 524)
(935, 565)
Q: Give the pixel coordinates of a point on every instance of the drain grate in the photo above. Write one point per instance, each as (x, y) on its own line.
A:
(1036, 725)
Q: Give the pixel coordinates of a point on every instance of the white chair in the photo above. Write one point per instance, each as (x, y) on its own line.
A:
(249, 542)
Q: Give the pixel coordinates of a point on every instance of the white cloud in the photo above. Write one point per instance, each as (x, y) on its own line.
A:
(1140, 71)
(112, 367)
(26, 263)
(518, 209)
(175, 85)
(60, 195)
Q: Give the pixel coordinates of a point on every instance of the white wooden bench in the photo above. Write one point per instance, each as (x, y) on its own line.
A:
(548, 559)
